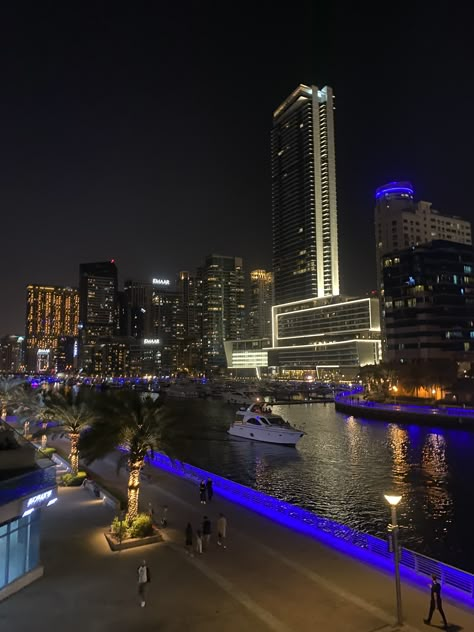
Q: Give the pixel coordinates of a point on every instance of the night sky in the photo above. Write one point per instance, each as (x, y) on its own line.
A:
(144, 136)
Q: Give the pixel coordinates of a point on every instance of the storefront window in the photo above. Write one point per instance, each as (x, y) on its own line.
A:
(19, 547)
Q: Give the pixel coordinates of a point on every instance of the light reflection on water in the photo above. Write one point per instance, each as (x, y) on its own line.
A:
(343, 466)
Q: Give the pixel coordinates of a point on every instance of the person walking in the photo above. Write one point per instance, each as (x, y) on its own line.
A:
(188, 535)
(221, 530)
(209, 489)
(198, 541)
(143, 580)
(436, 601)
(151, 512)
(202, 492)
(206, 531)
(164, 519)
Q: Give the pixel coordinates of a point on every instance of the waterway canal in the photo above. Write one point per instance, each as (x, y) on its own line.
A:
(342, 467)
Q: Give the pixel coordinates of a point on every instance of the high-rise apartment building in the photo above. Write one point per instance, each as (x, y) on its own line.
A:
(223, 306)
(51, 312)
(305, 242)
(190, 289)
(12, 354)
(259, 322)
(429, 302)
(98, 307)
(400, 223)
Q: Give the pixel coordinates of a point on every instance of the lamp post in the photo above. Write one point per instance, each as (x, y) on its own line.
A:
(395, 390)
(393, 529)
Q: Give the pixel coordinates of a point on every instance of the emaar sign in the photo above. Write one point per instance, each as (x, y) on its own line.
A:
(151, 341)
(161, 282)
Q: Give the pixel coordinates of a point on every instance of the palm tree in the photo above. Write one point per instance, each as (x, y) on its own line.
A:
(72, 415)
(10, 391)
(130, 421)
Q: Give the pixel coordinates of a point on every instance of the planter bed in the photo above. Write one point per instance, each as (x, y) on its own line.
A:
(132, 543)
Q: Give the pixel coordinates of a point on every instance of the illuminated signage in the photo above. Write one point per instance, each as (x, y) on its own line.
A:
(43, 351)
(151, 341)
(161, 281)
(45, 498)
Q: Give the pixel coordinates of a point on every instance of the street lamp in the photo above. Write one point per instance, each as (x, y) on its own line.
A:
(393, 529)
(395, 390)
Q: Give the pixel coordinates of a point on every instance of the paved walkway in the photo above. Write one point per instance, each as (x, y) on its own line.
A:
(268, 578)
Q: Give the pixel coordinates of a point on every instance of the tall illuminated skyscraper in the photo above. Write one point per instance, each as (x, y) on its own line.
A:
(259, 323)
(98, 307)
(51, 312)
(305, 244)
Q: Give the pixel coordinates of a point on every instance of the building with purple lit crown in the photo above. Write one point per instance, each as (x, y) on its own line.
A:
(400, 223)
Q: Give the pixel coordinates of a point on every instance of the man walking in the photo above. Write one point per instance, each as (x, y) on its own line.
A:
(221, 530)
(143, 580)
(209, 489)
(436, 601)
(206, 531)
(202, 492)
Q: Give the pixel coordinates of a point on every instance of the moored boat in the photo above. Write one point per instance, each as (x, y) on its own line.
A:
(258, 423)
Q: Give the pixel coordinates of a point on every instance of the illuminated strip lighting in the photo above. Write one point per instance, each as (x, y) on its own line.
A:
(379, 194)
(326, 306)
(326, 333)
(369, 549)
(323, 344)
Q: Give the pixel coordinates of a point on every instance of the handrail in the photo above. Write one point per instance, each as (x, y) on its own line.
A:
(370, 548)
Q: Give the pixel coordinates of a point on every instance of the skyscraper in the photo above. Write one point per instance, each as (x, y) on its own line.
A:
(223, 306)
(305, 244)
(259, 322)
(400, 223)
(51, 312)
(98, 309)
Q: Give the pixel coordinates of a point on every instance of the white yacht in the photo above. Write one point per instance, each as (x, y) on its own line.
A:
(260, 424)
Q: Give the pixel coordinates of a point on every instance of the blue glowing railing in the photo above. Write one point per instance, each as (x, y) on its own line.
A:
(366, 547)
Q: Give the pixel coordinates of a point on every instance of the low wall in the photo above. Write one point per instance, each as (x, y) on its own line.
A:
(370, 549)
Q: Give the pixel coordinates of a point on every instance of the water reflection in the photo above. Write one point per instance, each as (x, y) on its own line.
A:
(342, 468)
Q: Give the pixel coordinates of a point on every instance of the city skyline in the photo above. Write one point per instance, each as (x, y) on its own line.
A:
(93, 158)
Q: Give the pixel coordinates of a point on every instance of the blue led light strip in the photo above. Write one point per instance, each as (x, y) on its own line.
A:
(367, 548)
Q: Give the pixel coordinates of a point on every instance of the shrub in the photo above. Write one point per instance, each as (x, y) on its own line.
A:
(46, 452)
(141, 527)
(74, 481)
(118, 526)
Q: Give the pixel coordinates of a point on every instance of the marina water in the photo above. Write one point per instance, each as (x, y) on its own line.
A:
(343, 466)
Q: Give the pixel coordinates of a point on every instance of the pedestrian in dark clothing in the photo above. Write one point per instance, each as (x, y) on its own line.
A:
(436, 601)
(210, 491)
(202, 492)
(188, 535)
(206, 531)
(143, 579)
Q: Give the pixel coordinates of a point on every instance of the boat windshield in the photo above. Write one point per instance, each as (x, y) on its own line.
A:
(277, 421)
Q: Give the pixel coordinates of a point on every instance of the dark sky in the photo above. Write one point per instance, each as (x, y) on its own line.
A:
(143, 135)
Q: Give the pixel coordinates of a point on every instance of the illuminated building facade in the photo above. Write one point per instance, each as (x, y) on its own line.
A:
(12, 355)
(304, 206)
(429, 302)
(191, 296)
(259, 323)
(400, 222)
(223, 307)
(51, 312)
(337, 333)
(98, 308)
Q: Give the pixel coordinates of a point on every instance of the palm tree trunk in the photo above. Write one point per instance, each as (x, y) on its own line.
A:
(74, 454)
(133, 488)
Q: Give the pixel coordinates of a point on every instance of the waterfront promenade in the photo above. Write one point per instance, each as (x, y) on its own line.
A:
(269, 577)
(447, 416)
